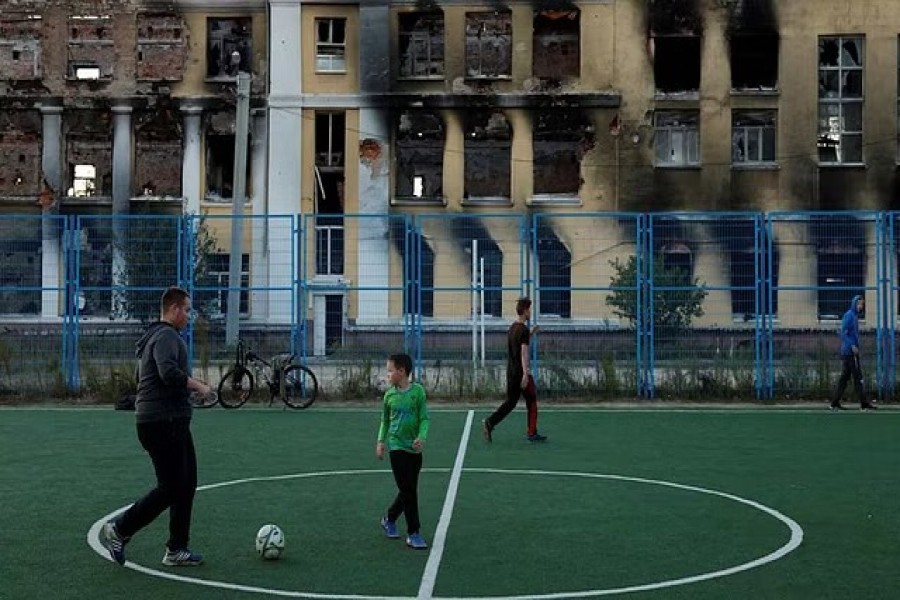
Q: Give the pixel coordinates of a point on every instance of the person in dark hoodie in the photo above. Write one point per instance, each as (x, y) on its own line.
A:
(163, 418)
(850, 357)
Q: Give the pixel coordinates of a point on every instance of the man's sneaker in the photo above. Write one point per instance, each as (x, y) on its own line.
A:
(112, 541)
(390, 528)
(536, 437)
(416, 541)
(837, 406)
(181, 558)
(486, 429)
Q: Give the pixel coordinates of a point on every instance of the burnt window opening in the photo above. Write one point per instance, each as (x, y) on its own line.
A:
(329, 192)
(417, 257)
(754, 62)
(220, 167)
(489, 45)
(330, 145)
(419, 156)
(840, 245)
(334, 322)
(556, 47)
(561, 138)
(841, 70)
(676, 63)
(422, 45)
(488, 153)
(753, 136)
(677, 138)
(224, 37)
(331, 45)
(554, 276)
(84, 181)
(749, 269)
(84, 71)
(471, 233)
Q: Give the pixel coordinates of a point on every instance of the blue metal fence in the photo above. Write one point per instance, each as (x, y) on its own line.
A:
(668, 305)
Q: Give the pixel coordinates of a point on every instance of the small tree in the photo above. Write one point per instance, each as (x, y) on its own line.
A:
(673, 309)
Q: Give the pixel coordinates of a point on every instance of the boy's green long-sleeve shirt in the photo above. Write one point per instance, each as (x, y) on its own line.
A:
(404, 417)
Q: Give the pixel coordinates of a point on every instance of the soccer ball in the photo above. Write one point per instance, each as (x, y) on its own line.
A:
(269, 541)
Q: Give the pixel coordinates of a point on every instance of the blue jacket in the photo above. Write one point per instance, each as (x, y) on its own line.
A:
(850, 329)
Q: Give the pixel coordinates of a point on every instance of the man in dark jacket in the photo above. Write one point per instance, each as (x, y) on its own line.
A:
(163, 417)
(850, 357)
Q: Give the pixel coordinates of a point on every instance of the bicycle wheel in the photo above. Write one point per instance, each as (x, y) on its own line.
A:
(300, 386)
(235, 388)
(204, 400)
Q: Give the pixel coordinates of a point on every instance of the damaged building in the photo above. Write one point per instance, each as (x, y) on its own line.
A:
(360, 110)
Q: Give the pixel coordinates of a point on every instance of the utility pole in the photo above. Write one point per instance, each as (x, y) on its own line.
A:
(238, 196)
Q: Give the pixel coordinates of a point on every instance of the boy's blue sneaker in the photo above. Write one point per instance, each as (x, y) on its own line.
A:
(181, 558)
(390, 528)
(536, 437)
(113, 542)
(416, 541)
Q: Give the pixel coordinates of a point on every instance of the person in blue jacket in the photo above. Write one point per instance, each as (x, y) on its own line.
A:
(850, 357)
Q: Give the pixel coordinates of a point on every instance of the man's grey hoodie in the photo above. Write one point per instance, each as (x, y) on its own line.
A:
(162, 391)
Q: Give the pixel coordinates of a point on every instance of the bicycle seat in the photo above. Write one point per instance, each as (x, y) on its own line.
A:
(282, 359)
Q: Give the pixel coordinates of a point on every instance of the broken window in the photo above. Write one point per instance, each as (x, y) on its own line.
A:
(749, 265)
(556, 48)
(158, 155)
(20, 47)
(215, 303)
(489, 44)
(329, 192)
(677, 138)
(422, 45)
(161, 47)
(840, 138)
(229, 47)
(753, 137)
(91, 48)
(840, 262)
(20, 145)
(488, 152)
(331, 45)
(561, 137)
(219, 167)
(84, 181)
(419, 155)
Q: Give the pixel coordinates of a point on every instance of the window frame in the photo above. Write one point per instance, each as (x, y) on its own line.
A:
(842, 102)
(426, 21)
(500, 35)
(337, 61)
(758, 131)
(681, 126)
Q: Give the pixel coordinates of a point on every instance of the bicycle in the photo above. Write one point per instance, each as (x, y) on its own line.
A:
(294, 383)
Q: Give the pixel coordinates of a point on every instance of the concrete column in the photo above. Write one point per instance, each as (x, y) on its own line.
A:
(374, 168)
(192, 162)
(284, 168)
(121, 204)
(259, 281)
(51, 167)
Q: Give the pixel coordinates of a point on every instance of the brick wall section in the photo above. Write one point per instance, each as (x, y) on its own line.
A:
(20, 47)
(20, 153)
(162, 47)
(88, 135)
(158, 164)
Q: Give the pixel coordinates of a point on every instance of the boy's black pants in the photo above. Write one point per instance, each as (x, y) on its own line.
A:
(171, 448)
(406, 467)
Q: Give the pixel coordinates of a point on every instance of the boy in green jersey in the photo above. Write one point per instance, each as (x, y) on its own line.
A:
(404, 427)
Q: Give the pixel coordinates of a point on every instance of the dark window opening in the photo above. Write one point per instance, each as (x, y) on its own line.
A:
(214, 302)
(754, 62)
(749, 274)
(554, 274)
(329, 223)
(676, 63)
(224, 37)
(420, 155)
(489, 44)
(330, 132)
(418, 268)
(488, 154)
(556, 48)
(219, 167)
(841, 276)
(467, 231)
(422, 45)
(561, 138)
